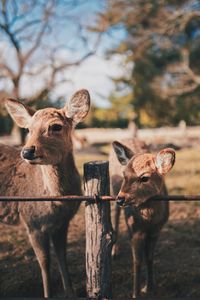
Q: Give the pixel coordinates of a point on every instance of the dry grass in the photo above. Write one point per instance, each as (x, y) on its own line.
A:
(184, 177)
(177, 255)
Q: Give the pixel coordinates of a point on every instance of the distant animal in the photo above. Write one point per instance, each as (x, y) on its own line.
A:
(136, 176)
(46, 168)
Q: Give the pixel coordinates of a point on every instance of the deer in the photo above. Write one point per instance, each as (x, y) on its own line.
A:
(136, 176)
(44, 167)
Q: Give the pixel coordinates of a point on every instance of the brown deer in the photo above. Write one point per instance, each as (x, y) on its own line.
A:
(46, 168)
(136, 177)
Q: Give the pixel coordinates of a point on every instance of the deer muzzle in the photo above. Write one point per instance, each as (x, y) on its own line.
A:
(120, 201)
(28, 153)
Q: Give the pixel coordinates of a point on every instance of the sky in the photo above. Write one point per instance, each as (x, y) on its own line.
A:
(94, 73)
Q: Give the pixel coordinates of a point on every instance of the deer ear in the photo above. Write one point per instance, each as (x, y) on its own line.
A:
(19, 112)
(124, 154)
(165, 160)
(78, 106)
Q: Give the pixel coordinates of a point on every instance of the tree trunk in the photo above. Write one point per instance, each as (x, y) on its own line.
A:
(18, 134)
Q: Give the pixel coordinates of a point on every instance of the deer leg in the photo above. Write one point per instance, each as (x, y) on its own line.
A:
(40, 244)
(138, 242)
(59, 243)
(116, 229)
(149, 255)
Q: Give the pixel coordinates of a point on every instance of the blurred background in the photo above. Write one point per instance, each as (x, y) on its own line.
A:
(140, 61)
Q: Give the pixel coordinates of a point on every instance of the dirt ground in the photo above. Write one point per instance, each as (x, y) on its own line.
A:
(177, 259)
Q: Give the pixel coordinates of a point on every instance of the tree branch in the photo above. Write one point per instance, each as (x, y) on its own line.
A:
(9, 73)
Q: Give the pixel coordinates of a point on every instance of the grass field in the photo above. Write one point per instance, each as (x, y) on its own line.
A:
(177, 258)
(184, 178)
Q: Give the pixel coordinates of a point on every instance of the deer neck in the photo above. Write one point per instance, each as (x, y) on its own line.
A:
(59, 180)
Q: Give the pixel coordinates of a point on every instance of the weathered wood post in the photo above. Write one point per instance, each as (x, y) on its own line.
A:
(99, 234)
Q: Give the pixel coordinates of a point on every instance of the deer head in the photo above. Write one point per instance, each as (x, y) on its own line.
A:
(49, 138)
(143, 173)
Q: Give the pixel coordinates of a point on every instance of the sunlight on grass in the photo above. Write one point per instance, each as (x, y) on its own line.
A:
(83, 158)
(183, 179)
(185, 176)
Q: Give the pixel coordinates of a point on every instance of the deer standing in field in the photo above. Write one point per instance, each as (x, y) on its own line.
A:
(46, 168)
(137, 176)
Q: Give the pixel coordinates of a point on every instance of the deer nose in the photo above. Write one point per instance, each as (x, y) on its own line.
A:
(120, 201)
(28, 153)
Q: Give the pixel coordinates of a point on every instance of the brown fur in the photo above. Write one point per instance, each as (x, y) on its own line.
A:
(144, 218)
(52, 172)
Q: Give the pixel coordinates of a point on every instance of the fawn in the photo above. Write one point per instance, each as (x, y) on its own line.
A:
(46, 168)
(136, 176)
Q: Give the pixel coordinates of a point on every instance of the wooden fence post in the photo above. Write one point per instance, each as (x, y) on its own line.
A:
(99, 234)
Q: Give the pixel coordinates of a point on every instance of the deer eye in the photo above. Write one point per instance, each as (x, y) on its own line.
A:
(144, 178)
(56, 127)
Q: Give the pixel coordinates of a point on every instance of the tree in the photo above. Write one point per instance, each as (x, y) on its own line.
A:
(37, 43)
(5, 121)
(162, 41)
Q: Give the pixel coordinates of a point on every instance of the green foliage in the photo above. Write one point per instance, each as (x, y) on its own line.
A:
(162, 40)
(118, 114)
(5, 125)
(101, 117)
